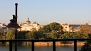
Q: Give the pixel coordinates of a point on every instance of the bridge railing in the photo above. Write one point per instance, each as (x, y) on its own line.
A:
(52, 40)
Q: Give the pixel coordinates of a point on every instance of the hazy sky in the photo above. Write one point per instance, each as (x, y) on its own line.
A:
(47, 11)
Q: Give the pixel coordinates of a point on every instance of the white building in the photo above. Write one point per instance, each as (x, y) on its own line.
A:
(27, 26)
(3, 26)
(65, 27)
(68, 27)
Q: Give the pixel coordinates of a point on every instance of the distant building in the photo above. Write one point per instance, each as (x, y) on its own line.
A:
(3, 26)
(68, 27)
(65, 27)
(75, 27)
(27, 26)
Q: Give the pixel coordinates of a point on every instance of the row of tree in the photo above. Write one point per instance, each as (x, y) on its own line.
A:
(50, 31)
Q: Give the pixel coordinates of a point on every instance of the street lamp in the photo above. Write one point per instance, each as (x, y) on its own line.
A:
(13, 25)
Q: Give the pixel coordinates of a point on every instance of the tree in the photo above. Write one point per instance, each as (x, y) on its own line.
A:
(46, 29)
(65, 35)
(21, 34)
(30, 35)
(38, 35)
(84, 29)
(10, 35)
(89, 41)
(87, 45)
(1, 33)
(53, 35)
(87, 29)
(34, 35)
(55, 26)
(52, 26)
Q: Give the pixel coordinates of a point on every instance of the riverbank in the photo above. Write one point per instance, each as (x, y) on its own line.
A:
(57, 44)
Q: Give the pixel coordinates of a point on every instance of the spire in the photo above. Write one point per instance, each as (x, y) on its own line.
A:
(27, 21)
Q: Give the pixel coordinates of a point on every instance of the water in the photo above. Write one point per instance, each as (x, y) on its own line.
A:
(45, 48)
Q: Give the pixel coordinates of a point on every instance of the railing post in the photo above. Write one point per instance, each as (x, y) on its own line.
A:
(75, 45)
(54, 46)
(32, 45)
(15, 46)
(10, 45)
(15, 39)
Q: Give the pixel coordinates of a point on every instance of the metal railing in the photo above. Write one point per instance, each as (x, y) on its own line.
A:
(53, 40)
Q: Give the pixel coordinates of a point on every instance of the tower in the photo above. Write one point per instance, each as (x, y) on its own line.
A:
(27, 21)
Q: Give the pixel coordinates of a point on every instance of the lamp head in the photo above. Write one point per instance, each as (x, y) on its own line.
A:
(13, 23)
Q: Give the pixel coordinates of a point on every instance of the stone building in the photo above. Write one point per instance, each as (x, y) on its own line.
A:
(71, 27)
(28, 26)
(3, 26)
(65, 27)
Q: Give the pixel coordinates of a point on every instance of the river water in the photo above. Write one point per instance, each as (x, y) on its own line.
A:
(45, 48)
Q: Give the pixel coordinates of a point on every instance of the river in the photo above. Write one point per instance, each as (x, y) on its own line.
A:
(45, 48)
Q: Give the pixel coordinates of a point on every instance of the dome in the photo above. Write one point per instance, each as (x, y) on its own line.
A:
(35, 22)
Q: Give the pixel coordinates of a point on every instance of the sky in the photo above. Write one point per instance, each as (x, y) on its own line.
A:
(47, 11)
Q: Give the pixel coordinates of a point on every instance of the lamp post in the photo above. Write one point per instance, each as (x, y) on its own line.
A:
(13, 25)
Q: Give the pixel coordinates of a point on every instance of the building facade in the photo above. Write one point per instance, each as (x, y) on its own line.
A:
(3, 26)
(28, 26)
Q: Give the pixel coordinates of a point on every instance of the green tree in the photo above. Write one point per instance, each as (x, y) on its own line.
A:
(45, 29)
(87, 45)
(34, 35)
(52, 26)
(78, 35)
(1, 33)
(84, 29)
(21, 34)
(65, 35)
(30, 35)
(89, 41)
(83, 32)
(47, 36)
(55, 26)
(53, 34)
(10, 35)
(38, 35)
(87, 29)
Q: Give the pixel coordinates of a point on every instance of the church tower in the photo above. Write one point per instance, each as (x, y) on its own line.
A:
(27, 21)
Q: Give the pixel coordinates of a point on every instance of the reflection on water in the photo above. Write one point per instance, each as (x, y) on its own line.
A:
(4, 48)
(45, 48)
(67, 48)
(49, 48)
